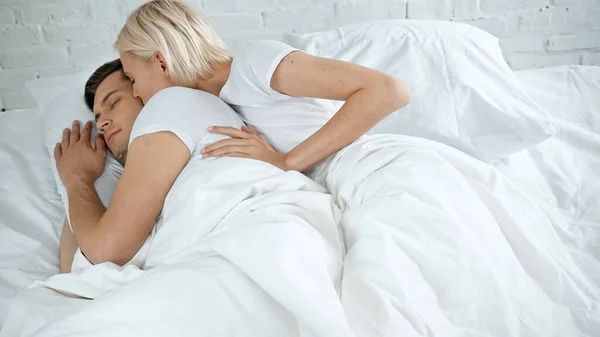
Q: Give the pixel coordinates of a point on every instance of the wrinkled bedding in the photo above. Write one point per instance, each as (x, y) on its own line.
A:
(251, 235)
(562, 174)
(441, 244)
(438, 244)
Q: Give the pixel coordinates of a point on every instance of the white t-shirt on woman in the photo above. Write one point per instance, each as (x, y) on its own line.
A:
(282, 120)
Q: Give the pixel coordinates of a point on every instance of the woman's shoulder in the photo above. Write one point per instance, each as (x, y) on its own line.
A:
(256, 61)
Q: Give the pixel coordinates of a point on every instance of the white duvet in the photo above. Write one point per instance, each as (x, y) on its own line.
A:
(441, 244)
(454, 249)
(242, 248)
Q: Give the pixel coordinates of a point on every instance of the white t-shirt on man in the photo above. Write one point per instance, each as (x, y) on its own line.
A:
(282, 120)
(187, 113)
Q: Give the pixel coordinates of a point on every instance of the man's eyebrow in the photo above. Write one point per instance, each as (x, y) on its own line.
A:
(105, 99)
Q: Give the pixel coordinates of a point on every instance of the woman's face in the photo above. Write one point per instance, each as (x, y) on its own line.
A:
(147, 77)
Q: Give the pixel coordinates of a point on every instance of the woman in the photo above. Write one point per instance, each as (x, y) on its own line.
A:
(272, 86)
(276, 89)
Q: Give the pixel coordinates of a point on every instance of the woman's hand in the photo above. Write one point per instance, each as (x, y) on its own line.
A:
(76, 160)
(244, 143)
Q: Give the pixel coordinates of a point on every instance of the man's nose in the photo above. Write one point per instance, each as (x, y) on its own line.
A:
(102, 124)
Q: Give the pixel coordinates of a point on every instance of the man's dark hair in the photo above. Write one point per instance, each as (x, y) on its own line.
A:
(97, 77)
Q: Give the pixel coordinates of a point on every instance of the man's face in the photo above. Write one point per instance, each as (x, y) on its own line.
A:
(116, 110)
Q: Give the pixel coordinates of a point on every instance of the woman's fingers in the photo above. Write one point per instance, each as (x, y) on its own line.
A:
(243, 144)
(249, 130)
(229, 131)
(238, 155)
(227, 142)
(228, 150)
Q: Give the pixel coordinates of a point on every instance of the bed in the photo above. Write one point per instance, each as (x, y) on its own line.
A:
(560, 175)
(30, 207)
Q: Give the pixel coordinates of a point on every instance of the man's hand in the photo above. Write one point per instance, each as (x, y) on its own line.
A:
(77, 162)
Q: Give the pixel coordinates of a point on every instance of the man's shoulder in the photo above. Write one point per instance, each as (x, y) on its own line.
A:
(170, 95)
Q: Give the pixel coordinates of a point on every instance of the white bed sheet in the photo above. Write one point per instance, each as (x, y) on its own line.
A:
(30, 212)
(562, 174)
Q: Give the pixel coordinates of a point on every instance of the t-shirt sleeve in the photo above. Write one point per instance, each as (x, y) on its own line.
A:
(258, 60)
(163, 112)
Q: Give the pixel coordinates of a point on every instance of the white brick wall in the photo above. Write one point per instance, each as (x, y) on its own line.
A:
(40, 38)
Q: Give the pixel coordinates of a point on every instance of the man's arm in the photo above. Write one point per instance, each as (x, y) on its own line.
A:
(68, 247)
(86, 207)
(153, 163)
(116, 234)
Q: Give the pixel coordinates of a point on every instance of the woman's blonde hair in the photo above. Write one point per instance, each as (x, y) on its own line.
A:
(187, 41)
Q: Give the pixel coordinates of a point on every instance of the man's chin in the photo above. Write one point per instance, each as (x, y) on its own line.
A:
(119, 155)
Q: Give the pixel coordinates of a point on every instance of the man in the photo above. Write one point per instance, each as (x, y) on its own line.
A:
(167, 136)
(157, 143)
(120, 110)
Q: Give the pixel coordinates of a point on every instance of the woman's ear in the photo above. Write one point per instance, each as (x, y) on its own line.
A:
(159, 58)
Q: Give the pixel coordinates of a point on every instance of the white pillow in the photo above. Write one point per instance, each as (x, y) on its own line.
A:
(463, 92)
(60, 102)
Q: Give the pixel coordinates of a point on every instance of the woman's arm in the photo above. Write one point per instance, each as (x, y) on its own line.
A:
(68, 247)
(370, 96)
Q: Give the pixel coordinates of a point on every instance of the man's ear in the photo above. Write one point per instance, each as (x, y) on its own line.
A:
(159, 58)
